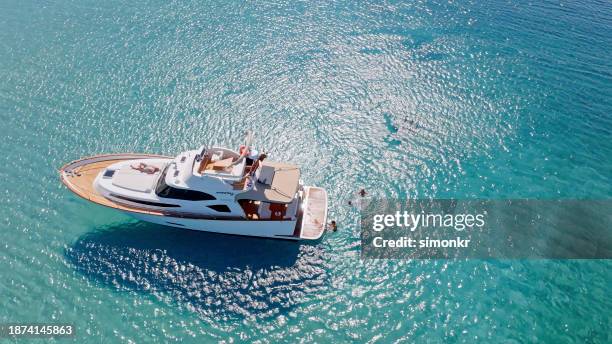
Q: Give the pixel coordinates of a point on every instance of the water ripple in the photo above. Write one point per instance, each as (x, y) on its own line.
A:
(218, 279)
(423, 99)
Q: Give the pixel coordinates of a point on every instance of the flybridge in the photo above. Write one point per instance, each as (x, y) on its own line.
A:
(212, 171)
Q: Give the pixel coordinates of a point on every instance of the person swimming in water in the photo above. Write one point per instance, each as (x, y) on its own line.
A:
(361, 193)
(333, 226)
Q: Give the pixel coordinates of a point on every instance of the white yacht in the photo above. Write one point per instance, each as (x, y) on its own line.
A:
(210, 189)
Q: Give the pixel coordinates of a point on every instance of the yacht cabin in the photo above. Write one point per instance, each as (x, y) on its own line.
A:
(209, 183)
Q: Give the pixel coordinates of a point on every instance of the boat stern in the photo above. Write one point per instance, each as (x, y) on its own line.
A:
(314, 213)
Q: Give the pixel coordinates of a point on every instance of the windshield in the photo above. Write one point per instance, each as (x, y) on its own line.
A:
(161, 182)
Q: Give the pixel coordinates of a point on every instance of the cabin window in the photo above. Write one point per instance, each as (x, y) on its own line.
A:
(222, 208)
(166, 191)
(154, 204)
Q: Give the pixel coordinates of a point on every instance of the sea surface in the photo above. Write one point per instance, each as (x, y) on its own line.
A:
(418, 99)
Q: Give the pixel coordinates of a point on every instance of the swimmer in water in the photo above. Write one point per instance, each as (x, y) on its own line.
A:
(333, 226)
(361, 193)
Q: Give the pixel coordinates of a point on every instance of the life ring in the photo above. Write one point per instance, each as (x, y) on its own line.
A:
(244, 150)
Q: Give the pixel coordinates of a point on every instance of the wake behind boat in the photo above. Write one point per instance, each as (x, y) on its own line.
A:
(210, 189)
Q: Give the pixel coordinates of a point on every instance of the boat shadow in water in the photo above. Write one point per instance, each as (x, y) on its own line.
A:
(217, 276)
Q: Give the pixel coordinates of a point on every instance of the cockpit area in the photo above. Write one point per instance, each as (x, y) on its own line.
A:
(220, 162)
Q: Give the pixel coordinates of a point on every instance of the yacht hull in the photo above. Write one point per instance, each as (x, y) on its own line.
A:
(265, 229)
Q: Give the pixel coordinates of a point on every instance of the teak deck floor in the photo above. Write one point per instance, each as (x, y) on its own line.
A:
(80, 181)
(315, 213)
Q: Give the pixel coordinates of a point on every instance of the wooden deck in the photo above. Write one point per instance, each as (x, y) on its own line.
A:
(79, 176)
(314, 218)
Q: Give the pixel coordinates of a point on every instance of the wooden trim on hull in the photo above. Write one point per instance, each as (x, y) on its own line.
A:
(79, 176)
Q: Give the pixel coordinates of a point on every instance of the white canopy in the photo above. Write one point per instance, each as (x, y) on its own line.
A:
(282, 189)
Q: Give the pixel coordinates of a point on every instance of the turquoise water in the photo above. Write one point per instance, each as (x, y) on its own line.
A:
(430, 99)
